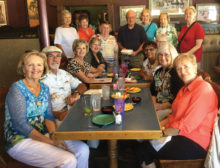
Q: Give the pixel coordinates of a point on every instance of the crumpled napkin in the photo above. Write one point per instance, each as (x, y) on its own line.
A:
(159, 143)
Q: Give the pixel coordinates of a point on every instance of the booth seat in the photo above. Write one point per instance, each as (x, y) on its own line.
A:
(211, 52)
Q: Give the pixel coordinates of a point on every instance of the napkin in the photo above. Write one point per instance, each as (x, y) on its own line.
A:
(92, 91)
(159, 143)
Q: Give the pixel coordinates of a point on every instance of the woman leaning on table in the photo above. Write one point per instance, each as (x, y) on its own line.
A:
(191, 123)
(166, 82)
(94, 56)
(191, 43)
(29, 119)
(80, 68)
(149, 27)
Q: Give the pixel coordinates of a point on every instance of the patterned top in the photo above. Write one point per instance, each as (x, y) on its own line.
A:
(170, 31)
(24, 112)
(165, 89)
(74, 67)
(108, 47)
(150, 69)
(60, 85)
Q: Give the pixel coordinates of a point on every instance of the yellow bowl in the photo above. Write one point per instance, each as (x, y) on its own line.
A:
(135, 69)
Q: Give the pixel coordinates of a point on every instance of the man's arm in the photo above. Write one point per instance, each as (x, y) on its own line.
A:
(138, 50)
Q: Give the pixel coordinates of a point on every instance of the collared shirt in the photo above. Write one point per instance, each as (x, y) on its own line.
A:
(150, 69)
(194, 111)
(60, 85)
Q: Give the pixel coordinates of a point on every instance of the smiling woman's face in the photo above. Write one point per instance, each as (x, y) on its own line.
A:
(164, 58)
(186, 71)
(33, 67)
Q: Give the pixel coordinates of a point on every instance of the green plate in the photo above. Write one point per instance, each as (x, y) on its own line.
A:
(103, 119)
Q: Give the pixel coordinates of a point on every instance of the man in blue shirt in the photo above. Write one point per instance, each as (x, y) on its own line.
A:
(132, 36)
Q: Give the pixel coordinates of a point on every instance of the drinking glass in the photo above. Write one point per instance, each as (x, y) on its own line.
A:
(119, 106)
(105, 92)
(87, 107)
(121, 84)
(96, 101)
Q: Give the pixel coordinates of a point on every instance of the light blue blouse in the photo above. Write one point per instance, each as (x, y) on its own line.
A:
(23, 114)
(151, 32)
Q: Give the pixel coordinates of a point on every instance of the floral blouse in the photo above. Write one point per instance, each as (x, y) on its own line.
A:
(165, 89)
(74, 67)
(24, 112)
(171, 33)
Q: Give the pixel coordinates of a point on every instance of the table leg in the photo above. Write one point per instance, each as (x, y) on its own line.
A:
(113, 153)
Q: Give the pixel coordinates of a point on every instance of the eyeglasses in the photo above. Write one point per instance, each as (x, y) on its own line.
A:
(53, 56)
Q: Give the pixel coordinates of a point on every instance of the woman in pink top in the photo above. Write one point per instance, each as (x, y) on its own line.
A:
(85, 32)
(190, 125)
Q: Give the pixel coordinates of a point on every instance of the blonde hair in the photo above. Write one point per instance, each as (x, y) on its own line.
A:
(148, 11)
(160, 36)
(64, 13)
(26, 55)
(192, 8)
(185, 57)
(78, 42)
(170, 48)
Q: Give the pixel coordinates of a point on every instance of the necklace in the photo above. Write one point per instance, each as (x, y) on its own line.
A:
(35, 90)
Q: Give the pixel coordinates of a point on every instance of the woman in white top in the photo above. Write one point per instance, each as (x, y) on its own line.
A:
(65, 35)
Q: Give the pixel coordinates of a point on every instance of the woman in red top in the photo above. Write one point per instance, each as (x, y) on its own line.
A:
(192, 42)
(190, 125)
(85, 32)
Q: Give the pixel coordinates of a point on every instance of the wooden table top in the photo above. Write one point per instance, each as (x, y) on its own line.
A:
(139, 123)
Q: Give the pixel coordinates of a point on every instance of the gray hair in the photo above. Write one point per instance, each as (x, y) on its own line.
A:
(170, 48)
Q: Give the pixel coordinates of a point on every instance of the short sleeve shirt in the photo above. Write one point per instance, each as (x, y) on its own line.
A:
(131, 38)
(60, 85)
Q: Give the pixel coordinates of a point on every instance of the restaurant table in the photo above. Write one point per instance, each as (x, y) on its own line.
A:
(139, 123)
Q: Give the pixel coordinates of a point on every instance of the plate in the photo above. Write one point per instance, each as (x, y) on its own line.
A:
(135, 69)
(128, 106)
(116, 95)
(134, 90)
(110, 74)
(103, 119)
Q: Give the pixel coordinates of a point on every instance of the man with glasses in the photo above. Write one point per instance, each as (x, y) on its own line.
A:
(132, 36)
(61, 84)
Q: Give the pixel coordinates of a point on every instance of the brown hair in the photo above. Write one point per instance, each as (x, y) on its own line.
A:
(29, 54)
(78, 42)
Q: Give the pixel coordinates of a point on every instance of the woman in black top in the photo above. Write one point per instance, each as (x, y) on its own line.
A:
(94, 56)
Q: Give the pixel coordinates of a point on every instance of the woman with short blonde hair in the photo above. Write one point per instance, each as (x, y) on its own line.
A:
(149, 27)
(191, 42)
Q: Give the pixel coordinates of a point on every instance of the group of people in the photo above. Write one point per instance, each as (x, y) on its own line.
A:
(37, 104)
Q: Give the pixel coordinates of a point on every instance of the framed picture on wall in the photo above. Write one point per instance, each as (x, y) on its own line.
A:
(32, 10)
(123, 10)
(3, 15)
(208, 12)
(172, 7)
